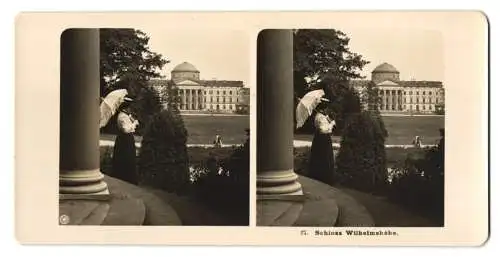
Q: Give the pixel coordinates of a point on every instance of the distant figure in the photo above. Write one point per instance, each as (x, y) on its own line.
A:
(321, 162)
(218, 141)
(417, 142)
(124, 152)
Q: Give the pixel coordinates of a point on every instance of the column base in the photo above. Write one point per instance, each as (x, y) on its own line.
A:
(274, 183)
(82, 184)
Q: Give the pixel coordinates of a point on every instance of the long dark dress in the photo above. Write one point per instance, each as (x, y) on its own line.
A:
(124, 158)
(321, 160)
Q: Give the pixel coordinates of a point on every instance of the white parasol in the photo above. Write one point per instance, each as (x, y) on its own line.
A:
(110, 105)
(307, 104)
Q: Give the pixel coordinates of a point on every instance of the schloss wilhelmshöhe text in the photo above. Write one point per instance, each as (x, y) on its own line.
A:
(355, 233)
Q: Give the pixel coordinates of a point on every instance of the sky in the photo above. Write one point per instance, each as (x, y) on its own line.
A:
(217, 54)
(416, 54)
(225, 55)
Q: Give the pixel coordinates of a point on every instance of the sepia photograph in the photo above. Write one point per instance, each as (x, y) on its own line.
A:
(154, 127)
(252, 128)
(350, 128)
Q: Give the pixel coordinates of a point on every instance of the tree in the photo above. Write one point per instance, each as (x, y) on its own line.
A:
(171, 97)
(127, 62)
(370, 97)
(322, 59)
(323, 52)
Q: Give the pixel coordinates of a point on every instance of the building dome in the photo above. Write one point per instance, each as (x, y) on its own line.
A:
(385, 68)
(185, 67)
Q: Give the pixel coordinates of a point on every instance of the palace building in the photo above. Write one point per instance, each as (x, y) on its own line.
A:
(196, 95)
(403, 96)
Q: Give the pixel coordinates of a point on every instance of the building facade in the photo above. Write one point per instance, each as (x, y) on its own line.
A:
(403, 96)
(196, 95)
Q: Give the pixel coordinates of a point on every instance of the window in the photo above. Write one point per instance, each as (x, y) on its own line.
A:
(423, 100)
(430, 92)
(224, 92)
(230, 92)
(417, 100)
(230, 100)
(411, 92)
(230, 107)
(217, 92)
(404, 93)
(423, 107)
(223, 107)
(423, 93)
(211, 99)
(417, 92)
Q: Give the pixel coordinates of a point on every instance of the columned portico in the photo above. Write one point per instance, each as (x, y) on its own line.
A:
(79, 173)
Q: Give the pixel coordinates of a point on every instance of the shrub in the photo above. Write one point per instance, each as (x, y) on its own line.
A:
(418, 183)
(225, 181)
(361, 161)
(163, 159)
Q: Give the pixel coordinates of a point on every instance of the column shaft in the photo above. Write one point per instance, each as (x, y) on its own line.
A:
(275, 108)
(79, 113)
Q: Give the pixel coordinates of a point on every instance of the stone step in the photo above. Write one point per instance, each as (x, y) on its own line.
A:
(126, 211)
(310, 216)
(322, 206)
(82, 212)
(289, 217)
(270, 210)
(98, 215)
(156, 211)
(350, 212)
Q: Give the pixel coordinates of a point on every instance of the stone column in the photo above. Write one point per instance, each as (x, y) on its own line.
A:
(183, 101)
(275, 174)
(400, 100)
(383, 100)
(79, 115)
(195, 99)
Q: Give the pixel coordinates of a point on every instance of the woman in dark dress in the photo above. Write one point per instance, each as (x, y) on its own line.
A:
(321, 161)
(124, 152)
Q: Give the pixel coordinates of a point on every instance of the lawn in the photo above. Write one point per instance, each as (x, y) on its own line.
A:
(402, 129)
(202, 129)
